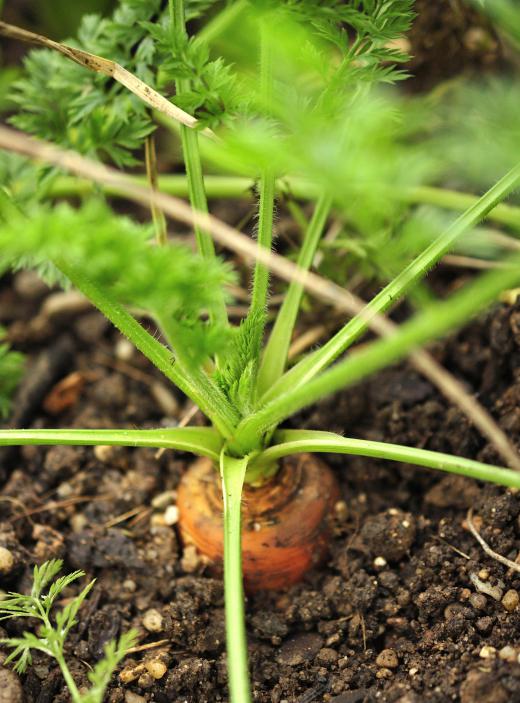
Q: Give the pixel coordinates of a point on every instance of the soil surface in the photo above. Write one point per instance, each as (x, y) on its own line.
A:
(406, 608)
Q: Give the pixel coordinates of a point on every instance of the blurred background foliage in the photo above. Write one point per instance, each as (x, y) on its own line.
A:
(459, 133)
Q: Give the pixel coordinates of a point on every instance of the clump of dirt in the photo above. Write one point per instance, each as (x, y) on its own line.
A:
(449, 37)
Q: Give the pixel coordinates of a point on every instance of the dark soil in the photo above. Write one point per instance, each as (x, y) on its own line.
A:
(400, 611)
(450, 37)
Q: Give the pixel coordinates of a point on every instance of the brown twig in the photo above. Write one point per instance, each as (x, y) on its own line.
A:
(485, 546)
(328, 291)
(124, 516)
(151, 645)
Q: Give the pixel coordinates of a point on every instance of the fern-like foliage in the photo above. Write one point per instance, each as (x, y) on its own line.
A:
(213, 94)
(11, 369)
(362, 30)
(51, 636)
(64, 103)
(171, 282)
(236, 378)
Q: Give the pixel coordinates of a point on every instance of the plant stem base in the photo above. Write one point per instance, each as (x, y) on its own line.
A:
(285, 521)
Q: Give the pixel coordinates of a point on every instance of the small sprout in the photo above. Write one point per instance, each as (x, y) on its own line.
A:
(54, 630)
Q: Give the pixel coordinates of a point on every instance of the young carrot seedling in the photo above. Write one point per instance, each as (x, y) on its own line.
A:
(310, 112)
(54, 629)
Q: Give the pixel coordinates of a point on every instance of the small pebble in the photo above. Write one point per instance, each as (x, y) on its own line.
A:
(145, 680)
(78, 522)
(380, 562)
(487, 652)
(508, 654)
(131, 697)
(341, 510)
(482, 586)
(156, 668)
(171, 515)
(10, 687)
(384, 674)
(6, 561)
(103, 453)
(131, 673)
(510, 600)
(190, 560)
(387, 659)
(484, 624)
(478, 601)
(328, 656)
(153, 620)
(453, 610)
(124, 349)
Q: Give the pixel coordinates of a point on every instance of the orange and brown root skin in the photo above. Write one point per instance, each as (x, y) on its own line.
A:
(286, 522)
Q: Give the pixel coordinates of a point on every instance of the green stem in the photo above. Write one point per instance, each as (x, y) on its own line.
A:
(427, 325)
(222, 21)
(69, 680)
(192, 160)
(199, 440)
(209, 399)
(266, 188)
(275, 354)
(55, 651)
(158, 218)
(233, 472)
(311, 365)
(240, 187)
(288, 442)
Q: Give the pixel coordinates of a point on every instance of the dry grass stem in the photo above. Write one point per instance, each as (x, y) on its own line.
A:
(98, 64)
(485, 546)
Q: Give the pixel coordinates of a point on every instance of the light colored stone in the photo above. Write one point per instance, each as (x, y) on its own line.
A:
(131, 697)
(508, 654)
(10, 687)
(6, 561)
(171, 515)
(487, 652)
(156, 668)
(510, 600)
(387, 659)
(153, 620)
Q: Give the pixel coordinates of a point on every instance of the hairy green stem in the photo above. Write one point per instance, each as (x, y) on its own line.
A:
(241, 187)
(202, 441)
(427, 325)
(192, 160)
(287, 442)
(266, 189)
(233, 472)
(275, 354)
(209, 399)
(313, 364)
